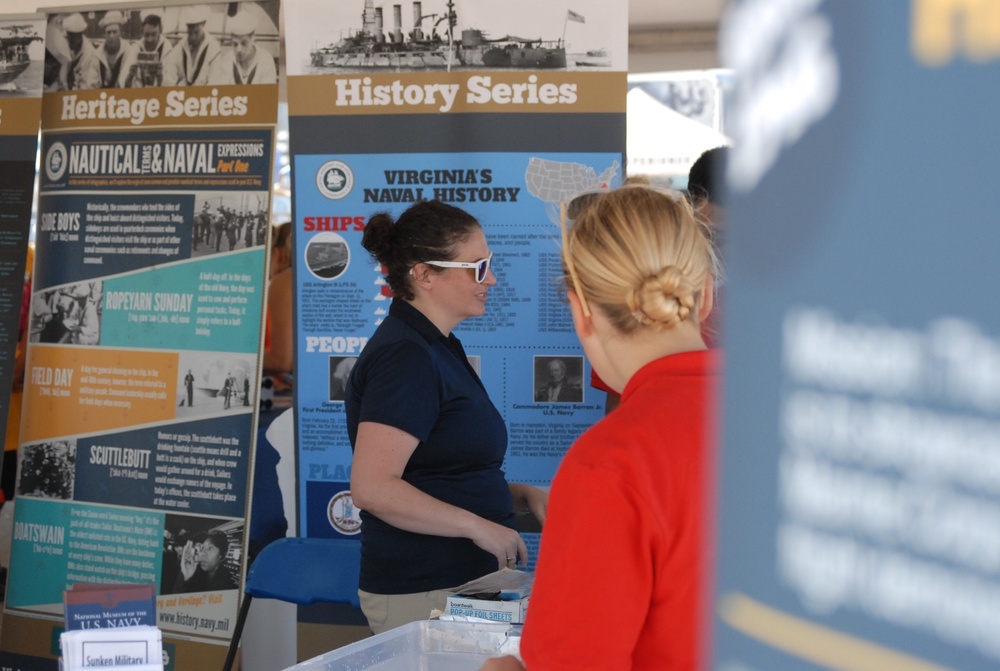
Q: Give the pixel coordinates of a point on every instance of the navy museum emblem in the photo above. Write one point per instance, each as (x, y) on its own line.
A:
(334, 179)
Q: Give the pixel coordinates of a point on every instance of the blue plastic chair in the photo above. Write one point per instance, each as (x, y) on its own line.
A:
(303, 571)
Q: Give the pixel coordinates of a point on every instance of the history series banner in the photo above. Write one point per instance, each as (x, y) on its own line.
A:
(502, 109)
(138, 431)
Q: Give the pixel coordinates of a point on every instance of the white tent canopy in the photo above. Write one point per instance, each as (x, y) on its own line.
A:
(662, 142)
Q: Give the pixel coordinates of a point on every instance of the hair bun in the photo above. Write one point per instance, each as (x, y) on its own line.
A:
(379, 237)
(666, 298)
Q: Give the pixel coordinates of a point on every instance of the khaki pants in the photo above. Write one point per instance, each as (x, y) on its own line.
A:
(388, 611)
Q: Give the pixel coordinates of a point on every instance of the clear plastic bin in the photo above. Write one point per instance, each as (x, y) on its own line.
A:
(428, 645)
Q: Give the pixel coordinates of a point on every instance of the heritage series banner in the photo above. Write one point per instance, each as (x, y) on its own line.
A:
(22, 46)
(138, 431)
(860, 484)
(441, 100)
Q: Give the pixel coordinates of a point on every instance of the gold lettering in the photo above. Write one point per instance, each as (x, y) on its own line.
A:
(941, 29)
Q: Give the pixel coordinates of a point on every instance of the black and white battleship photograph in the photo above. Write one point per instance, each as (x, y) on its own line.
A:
(405, 35)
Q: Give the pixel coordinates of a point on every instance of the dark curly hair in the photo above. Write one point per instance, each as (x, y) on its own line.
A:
(706, 179)
(426, 231)
(219, 540)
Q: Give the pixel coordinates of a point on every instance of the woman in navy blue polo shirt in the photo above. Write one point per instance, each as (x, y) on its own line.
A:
(428, 442)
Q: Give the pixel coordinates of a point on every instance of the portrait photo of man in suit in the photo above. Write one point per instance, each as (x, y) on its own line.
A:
(557, 379)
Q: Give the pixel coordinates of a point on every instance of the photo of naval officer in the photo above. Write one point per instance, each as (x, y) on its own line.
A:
(557, 379)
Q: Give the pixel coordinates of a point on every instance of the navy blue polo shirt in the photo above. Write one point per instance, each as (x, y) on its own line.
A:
(412, 377)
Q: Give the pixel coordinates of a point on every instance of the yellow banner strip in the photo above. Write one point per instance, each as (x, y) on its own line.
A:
(200, 106)
(20, 116)
(812, 642)
(502, 91)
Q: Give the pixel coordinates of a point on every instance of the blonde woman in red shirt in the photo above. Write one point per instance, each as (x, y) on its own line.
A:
(622, 567)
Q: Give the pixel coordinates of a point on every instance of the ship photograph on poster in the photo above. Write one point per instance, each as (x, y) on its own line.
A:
(20, 47)
(450, 35)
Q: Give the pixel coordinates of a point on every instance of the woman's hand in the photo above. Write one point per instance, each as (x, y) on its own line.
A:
(530, 498)
(189, 560)
(502, 542)
(507, 663)
(537, 501)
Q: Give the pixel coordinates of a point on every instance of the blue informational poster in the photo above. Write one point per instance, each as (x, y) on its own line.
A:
(859, 509)
(342, 297)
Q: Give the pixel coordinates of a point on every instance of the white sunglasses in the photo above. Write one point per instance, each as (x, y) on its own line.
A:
(482, 266)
